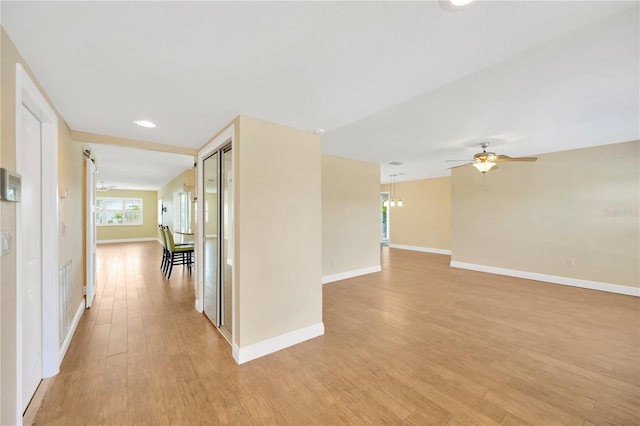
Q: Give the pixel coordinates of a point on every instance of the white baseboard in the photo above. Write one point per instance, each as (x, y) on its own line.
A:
(72, 330)
(422, 249)
(554, 279)
(269, 346)
(126, 240)
(350, 274)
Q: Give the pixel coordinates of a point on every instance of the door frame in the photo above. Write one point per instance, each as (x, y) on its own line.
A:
(388, 194)
(27, 94)
(90, 232)
(226, 137)
(215, 156)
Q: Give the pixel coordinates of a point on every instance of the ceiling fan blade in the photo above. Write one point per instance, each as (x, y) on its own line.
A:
(461, 165)
(507, 158)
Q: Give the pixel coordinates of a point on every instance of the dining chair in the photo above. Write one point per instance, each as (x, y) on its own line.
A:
(165, 251)
(177, 254)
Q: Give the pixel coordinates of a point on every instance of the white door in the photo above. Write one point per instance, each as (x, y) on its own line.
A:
(91, 232)
(31, 282)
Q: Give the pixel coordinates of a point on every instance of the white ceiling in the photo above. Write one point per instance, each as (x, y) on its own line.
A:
(130, 168)
(404, 81)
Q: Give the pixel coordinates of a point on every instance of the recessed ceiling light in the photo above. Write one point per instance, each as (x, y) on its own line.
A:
(395, 163)
(319, 131)
(460, 2)
(144, 123)
(455, 5)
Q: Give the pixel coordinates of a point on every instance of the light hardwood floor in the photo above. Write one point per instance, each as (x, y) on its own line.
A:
(419, 343)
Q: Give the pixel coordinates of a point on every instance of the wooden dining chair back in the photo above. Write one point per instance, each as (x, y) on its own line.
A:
(165, 251)
(177, 254)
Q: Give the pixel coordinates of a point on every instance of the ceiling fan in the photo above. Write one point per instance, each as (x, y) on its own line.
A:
(102, 187)
(486, 161)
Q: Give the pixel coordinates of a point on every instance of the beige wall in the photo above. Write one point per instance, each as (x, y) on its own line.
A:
(580, 204)
(71, 212)
(278, 230)
(149, 228)
(186, 178)
(70, 217)
(424, 220)
(350, 215)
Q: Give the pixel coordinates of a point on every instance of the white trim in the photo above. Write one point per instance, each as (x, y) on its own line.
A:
(274, 344)
(72, 330)
(382, 240)
(422, 249)
(350, 274)
(90, 232)
(127, 240)
(235, 353)
(554, 279)
(27, 93)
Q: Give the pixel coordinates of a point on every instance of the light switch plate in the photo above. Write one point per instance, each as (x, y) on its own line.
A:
(5, 243)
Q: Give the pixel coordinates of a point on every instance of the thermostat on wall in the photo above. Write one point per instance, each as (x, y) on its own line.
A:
(9, 185)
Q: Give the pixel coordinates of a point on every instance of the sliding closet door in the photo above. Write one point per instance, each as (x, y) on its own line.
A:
(218, 235)
(227, 233)
(211, 252)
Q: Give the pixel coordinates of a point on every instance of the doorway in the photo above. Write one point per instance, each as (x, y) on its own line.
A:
(90, 231)
(217, 184)
(384, 218)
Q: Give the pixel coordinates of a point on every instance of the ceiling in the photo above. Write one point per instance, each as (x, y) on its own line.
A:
(388, 81)
(130, 168)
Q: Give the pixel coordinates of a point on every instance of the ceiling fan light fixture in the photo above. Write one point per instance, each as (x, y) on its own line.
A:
(486, 161)
(484, 166)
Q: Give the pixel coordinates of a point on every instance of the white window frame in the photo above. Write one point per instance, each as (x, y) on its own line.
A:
(182, 199)
(103, 210)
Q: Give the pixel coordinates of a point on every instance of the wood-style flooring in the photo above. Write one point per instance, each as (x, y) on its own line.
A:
(419, 343)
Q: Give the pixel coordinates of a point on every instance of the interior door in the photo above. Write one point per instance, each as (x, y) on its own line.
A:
(31, 252)
(91, 232)
(211, 283)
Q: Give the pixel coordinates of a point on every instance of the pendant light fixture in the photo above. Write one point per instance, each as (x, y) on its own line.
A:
(394, 200)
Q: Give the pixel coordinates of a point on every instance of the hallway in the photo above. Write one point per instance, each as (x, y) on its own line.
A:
(139, 353)
(419, 343)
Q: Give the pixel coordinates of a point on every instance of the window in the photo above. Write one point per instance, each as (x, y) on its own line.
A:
(118, 211)
(182, 211)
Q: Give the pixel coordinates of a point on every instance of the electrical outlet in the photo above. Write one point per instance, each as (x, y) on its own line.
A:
(571, 262)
